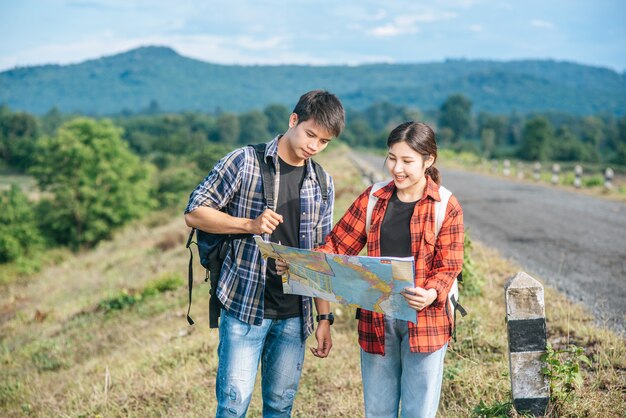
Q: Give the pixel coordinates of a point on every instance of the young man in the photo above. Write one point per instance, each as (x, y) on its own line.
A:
(258, 321)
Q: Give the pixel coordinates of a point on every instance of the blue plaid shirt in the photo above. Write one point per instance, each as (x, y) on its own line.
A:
(235, 183)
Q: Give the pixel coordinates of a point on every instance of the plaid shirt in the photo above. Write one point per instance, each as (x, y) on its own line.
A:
(235, 183)
(437, 264)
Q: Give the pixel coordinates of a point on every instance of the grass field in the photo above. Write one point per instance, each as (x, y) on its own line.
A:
(103, 334)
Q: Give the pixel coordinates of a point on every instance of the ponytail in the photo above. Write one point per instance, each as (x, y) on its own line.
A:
(433, 173)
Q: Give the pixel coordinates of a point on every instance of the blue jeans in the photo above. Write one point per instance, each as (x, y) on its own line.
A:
(400, 376)
(278, 344)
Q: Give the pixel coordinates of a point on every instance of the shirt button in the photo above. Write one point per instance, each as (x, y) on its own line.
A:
(303, 213)
(303, 236)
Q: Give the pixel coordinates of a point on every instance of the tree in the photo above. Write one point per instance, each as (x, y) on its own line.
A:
(592, 131)
(536, 139)
(18, 132)
(497, 124)
(620, 143)
(277, 118)
(96, 182)
(487, 138)
(18, 229)
(567, 147)
(51, 121)
(253, 128)
(515, 129)
(455, 113)
(228, 128)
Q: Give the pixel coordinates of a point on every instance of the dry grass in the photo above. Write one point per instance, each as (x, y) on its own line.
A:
(61, 356)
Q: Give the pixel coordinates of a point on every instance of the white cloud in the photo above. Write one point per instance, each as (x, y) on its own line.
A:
(476, 28)
(403, 25)
(244, 50)
(542, 24)
(393, 30)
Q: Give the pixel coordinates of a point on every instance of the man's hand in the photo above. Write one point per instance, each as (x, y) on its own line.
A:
(281, 267)
(419, 298)
(324, 342)
(266, 223)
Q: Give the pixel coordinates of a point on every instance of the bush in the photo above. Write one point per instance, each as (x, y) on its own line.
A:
(96, 182)
(472, 283)
(19, 235)
(127, 298)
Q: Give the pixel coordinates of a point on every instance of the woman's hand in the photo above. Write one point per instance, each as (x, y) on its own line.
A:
(419, 298)
(281, 267)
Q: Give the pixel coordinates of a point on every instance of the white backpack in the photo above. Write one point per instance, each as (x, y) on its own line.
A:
(440, 214)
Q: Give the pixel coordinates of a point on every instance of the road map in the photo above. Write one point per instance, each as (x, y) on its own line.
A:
(372, 283)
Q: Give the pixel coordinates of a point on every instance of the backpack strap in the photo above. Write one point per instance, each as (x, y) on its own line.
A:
(190, 274)
(371, 202)
(321, 179)
(267, 174)
(440, 208)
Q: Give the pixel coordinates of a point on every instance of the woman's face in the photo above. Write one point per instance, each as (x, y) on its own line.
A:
(407, 167)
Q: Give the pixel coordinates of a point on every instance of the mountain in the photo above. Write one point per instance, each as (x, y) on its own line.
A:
(133, 79)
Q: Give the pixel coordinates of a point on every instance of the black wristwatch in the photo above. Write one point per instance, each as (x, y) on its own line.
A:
(330, 317)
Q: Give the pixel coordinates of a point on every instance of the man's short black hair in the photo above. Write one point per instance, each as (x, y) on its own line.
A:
(324, 108)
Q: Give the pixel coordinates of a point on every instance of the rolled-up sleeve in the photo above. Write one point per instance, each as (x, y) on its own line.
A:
(348, 236)
(219, 186)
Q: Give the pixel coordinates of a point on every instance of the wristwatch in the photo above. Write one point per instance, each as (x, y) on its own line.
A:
(330, 317)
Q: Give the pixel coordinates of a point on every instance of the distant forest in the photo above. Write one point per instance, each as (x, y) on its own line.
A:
(158, 136)
(97, 174)
(131, 80)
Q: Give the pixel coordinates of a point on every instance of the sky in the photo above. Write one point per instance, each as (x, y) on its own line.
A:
(325, 32)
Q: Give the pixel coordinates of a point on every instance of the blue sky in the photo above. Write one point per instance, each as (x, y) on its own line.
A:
(316, 32)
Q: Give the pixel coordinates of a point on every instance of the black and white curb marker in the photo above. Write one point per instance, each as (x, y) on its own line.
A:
(526, 323)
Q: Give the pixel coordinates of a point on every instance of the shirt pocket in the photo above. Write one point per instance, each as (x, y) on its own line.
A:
(428, 249)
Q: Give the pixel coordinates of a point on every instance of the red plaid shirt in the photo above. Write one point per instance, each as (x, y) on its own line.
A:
(437, 264)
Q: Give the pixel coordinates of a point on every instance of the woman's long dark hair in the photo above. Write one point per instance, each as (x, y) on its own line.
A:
(421, 138)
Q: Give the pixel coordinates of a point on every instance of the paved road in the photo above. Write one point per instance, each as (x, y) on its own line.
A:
(574, 242)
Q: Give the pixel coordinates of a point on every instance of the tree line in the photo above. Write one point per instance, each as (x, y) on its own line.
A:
(95, 175)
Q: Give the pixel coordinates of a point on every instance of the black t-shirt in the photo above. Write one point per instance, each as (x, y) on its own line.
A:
(277, 304)
(395, 232)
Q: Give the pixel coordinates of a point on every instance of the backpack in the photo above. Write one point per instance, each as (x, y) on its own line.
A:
(440, 214)
(213, 248)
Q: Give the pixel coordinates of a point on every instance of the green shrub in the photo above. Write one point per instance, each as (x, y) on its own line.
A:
(563, 370)
(497, 410)
(19, 235)
(593, 181)
(126, 299)
(119, 302)
(472, 283)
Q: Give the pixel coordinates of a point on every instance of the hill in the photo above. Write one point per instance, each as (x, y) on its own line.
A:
(131, 80)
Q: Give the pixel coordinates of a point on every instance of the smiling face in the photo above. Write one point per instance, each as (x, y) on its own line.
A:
(407, 167)
(302, 141)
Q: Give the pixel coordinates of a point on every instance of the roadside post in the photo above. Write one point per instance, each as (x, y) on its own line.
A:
(537, 171)
(578, 172)
(556, 170)
(608, 178)
(520, 171)
(506, 170)
(526, 325)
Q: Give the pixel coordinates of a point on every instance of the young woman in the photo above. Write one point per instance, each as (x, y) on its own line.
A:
(402, 362)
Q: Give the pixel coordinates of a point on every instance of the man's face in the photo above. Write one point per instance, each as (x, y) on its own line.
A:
(306, 139)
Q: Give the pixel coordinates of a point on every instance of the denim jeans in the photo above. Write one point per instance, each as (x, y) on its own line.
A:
(278, 345)
(401, 377)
